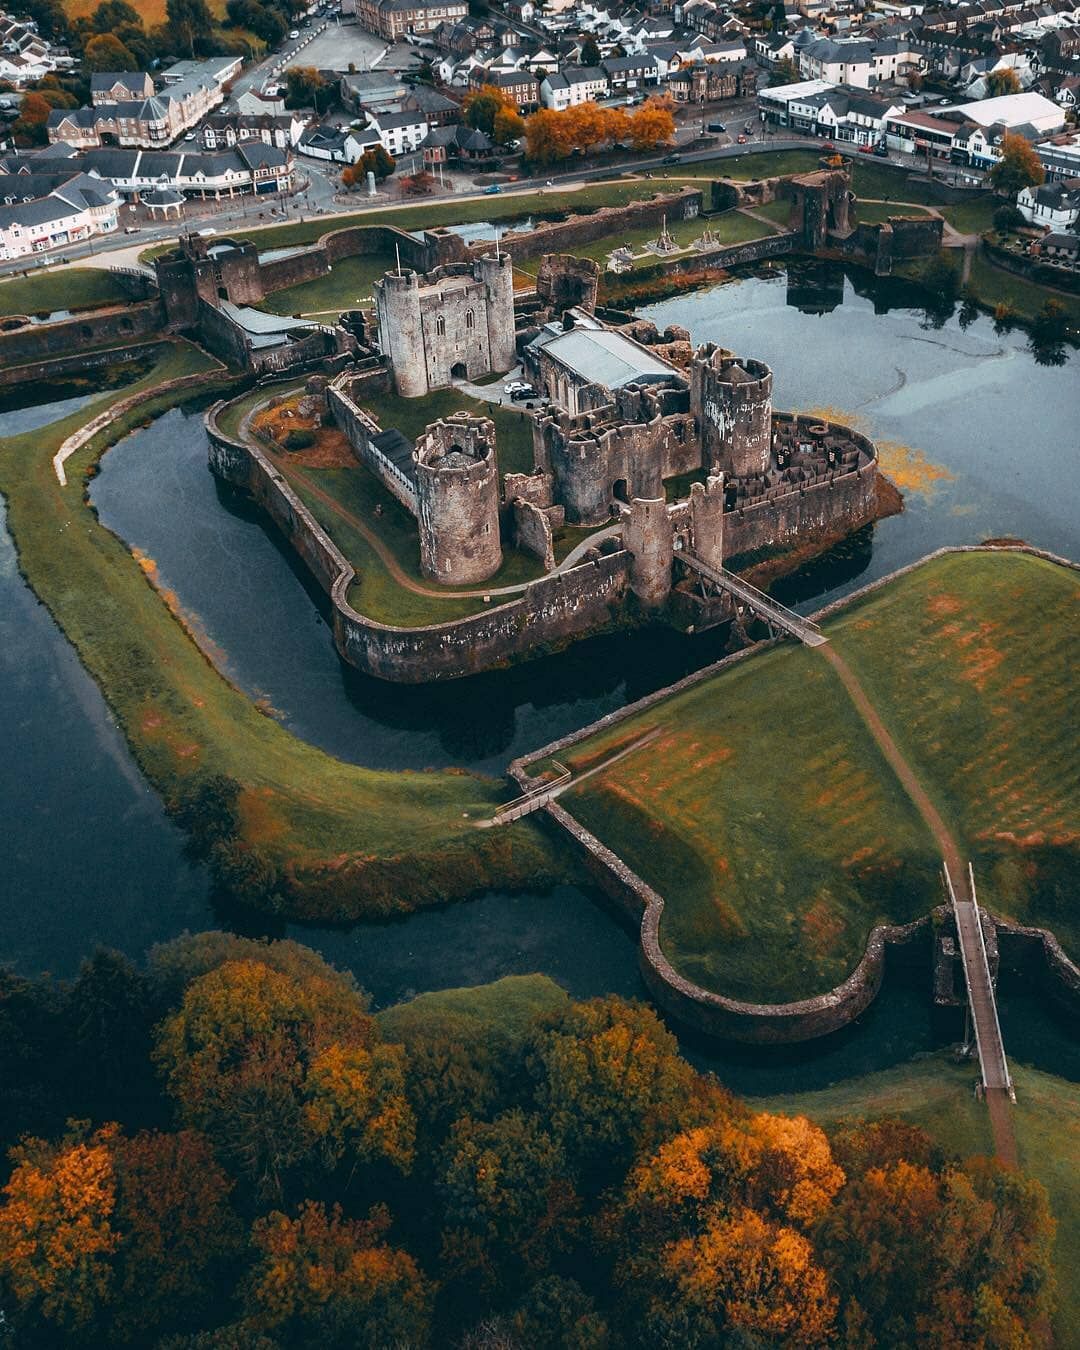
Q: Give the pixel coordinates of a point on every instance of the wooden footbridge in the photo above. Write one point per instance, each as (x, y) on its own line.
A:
(776, 615)
(982, 1005)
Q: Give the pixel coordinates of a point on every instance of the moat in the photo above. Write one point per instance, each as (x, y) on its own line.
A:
(97, 845)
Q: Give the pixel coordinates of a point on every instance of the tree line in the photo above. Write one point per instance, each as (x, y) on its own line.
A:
(224, 1150)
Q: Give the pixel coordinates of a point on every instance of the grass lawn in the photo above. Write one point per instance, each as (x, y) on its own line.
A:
(974, 216)
(750, 164)
(61, 288)
(969, 661)
(353, 841)
(778, 835)
(503, 1009)
(779, 212)
(375, 592)
(349, 283)
(730, 227)
(937, 1094)
(873, 213)
(993, 286)
(767, 820)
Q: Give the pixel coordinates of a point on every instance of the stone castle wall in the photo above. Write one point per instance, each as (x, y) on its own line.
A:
(39, 341)
(76, 363)
(552, 611)
(836, 501)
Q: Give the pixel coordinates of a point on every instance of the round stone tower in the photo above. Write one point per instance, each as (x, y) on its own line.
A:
(497, 274)
(732, 397)
(401, 337)
(457, 492)
(649, 538)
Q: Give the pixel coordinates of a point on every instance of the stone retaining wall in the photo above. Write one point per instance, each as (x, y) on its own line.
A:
(1031, 268)
(121, 323)
(552, 611)
(76, 363)
(718, 1016)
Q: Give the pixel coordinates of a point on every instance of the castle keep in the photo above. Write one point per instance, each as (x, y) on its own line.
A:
(456, 322)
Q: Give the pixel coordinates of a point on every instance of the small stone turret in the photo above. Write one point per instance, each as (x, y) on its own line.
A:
(397, 304)
(707, 520)
(496, 271)
(732, 396)
(457, 492)
(649, 538)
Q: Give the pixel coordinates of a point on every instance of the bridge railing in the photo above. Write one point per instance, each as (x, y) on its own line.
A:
(745, 590)
(967, 969)
(1000, 1045)
(562, 777)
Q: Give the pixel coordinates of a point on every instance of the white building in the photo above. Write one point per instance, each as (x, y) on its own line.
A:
(574, 85)
(400, 133)
(1054, 206)
(42, 212)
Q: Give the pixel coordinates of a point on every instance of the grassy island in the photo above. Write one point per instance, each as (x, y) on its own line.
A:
(340, 841)
(778, 835)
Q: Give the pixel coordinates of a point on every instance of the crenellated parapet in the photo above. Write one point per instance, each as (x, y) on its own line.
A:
(457, 492)
(732, 395)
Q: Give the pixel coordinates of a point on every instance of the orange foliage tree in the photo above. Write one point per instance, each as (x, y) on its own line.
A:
(547, 137)
(320, 1279)
(264, 1063)
(651, 125)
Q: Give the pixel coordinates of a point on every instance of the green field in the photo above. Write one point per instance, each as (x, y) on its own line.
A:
(936, 1094)
(994, 286)
(778, 835)
(352, 841)
(504, 1008)
(874, 213)
(71, 288)
(347, 286)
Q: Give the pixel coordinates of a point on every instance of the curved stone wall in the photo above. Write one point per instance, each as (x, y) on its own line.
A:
(779, 1023)
(550, 612)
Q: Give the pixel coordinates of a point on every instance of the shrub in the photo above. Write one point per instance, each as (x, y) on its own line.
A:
(300, 438)
(1007, 218)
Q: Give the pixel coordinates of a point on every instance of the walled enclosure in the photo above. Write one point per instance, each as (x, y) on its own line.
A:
(1032, 949)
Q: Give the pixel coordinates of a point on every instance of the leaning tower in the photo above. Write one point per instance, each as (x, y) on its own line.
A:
(401, 336)
(496, 271)
(457, 491)
(732, 397)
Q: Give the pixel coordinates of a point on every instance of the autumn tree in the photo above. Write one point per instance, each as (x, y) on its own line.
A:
(609, 1081)
(921, 1257)
(508, 1203)
(106, 52)
(1003, 81)
(482, 106)
(30, 126)
(332, 1283)
(270, 1068)
(1019, 166)
(546, 137)
(509, 126)
(741, 1275)
(590, 52)
(378, 161)
(784, 72)
(586, 126)
(57, 1231)
(651, 125)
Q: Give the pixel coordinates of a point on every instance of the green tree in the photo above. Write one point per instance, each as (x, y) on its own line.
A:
(508, 1203)
(785, 72)
(113, 14)
(1019, 166)
(106, 52)
(590, 52)
(189, 20)
(556, 1314)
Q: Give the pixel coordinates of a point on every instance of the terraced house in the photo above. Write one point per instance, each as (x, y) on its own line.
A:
(43, 211)
(394, 19)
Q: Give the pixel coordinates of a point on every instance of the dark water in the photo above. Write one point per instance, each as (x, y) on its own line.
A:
(87, 854)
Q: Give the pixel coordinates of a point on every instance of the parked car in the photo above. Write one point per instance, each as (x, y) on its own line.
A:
(716, 127)
(513, 386)
(866, 149)
(294, 34)
(881, 150)
(741, 139)
(493, 190)
(671, 159)
(526, 391)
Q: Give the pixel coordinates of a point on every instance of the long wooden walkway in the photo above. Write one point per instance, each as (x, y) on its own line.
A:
(772, 611)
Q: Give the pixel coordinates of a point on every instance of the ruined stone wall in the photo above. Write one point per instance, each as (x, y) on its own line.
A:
(841, 500)
(359, 429)
(551, 612)
(733, 396)
(359, 241)
(567, 282)
(37, 342)
(76, 363)
(532, 532)
(220, 335)
(610, 222)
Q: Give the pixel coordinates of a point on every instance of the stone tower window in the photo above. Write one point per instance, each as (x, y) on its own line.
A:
(470, 319)
(440, 326)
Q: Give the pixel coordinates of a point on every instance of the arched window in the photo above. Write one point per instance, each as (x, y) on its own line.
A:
(440, 326)
(470, 319)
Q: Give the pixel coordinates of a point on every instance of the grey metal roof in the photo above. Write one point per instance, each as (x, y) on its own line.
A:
(607, 358)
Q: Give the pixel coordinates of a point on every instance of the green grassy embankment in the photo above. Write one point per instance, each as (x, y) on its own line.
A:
(969, 660)
(936, 1094)
(994, 286)
(72, 288)
(778, 835)
(350, 841)
(501, 1009)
